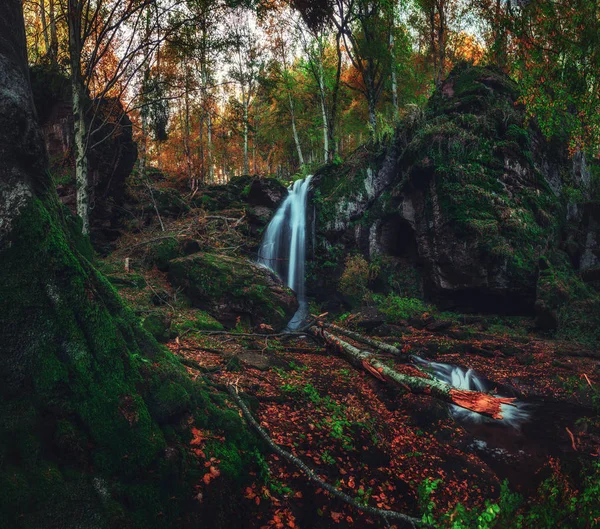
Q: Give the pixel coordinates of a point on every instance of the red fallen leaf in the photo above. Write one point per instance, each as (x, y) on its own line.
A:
(257, 500)
(298, 495)
(336, 516)
(215, 472)
(206, 478)
(197, 437)
(351, 483)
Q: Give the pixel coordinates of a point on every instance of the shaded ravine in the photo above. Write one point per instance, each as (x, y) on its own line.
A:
(283, 249)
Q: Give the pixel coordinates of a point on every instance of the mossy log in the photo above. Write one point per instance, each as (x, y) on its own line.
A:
(483, 403)
(381, 346)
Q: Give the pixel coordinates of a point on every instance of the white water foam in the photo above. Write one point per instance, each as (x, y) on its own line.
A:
(513, 414)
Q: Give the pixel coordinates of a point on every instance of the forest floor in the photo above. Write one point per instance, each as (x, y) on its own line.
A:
(374, 441)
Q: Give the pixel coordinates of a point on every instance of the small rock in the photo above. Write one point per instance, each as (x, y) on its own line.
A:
(439, 325)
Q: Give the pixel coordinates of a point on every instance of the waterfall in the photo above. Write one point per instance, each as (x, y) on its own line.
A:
(283, 249)
(459, 377)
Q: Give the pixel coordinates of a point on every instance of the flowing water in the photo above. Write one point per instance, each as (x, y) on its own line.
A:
(283, 249)
(461, 378)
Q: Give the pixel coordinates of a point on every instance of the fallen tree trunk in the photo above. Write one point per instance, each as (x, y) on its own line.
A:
(312, 475)
(471, 400)
(384, 347)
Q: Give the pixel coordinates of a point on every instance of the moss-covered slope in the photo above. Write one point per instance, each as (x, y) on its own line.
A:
(93, 413)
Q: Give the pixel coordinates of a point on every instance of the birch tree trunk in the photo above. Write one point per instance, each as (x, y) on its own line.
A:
(476, 401)
(295, 131)
(324, 114)
(246, 161)
(209, 148)
(79, 123)
(394, 77)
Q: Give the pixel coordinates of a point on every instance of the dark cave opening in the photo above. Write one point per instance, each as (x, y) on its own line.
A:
(396, 238)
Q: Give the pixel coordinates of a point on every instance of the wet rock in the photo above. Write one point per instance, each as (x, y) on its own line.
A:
(448, 198)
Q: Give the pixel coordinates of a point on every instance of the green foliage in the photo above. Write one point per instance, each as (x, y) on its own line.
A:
(396, 308)
(557, 504)
(354, 282)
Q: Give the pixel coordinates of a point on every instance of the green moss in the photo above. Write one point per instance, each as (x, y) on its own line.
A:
(156, 325)
(164, 252)
(213, 281)
(84, 389)
(202, 321)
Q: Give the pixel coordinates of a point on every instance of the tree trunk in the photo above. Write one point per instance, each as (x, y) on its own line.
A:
(187, 135)
(209, 149)
(394, 77)
(45, 27)
(53, 35)
(246, 161)
(80, 125)
(79, 377)
(384, 347)
(295, 132)
(372, 114)
(483, 403)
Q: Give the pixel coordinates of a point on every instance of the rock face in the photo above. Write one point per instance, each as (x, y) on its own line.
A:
(468, 195)
(111, 158)
(230, 288)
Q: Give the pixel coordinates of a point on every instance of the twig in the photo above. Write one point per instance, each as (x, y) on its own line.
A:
(312, 475)
(572, 439)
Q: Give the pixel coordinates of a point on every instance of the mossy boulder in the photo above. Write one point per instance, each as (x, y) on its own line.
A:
(230, 288)
(242, 191)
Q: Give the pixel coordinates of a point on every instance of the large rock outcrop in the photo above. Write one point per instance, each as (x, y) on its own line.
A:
(111, 157)
(233, 289)
(469, 194)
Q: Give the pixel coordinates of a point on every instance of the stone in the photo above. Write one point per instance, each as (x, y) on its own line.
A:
(233, 289)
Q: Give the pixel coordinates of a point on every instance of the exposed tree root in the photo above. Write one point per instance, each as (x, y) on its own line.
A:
(312, 475)
(471, 400)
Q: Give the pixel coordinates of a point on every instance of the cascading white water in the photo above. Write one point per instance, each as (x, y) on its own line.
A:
(512, 415)
(283, 249)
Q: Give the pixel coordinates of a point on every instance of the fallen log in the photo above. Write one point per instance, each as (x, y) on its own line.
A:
(312, 475)
(381, 346)
(476, 401)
